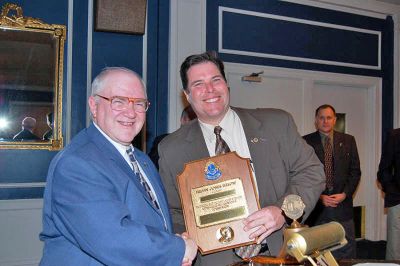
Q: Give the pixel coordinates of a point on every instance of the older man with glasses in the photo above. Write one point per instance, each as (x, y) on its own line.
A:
(104, 203)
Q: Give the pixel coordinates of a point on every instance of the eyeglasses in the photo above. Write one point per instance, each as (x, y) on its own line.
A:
(121, 103)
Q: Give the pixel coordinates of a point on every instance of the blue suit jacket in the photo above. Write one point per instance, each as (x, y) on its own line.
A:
(96, 212)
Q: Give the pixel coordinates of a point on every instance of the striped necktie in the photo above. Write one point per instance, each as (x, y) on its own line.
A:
(142, 180)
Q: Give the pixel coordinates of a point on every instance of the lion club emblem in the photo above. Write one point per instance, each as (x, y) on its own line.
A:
(212, 171)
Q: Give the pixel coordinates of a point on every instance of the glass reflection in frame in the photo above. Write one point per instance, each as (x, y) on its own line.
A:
(31, 71)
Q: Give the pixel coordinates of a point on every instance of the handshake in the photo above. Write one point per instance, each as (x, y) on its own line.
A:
(190, 249)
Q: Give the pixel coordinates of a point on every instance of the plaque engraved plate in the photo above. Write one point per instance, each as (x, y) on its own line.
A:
(217, 193)
(219, 203)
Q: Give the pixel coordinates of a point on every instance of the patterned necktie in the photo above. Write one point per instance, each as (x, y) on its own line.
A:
(143, 181)
(248, 251)
(221, 148)
(328, 163)
(220, 145)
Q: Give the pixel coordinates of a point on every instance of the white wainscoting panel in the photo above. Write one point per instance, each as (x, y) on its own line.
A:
(20, 225)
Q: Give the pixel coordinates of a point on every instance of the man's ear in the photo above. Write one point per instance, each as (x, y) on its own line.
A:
(187, 95)
(92, 106)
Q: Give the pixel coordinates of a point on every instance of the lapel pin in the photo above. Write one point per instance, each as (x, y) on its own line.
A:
(254, 140)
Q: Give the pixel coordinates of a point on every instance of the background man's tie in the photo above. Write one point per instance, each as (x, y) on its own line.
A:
(221, 148)
(220, 145)
(328, 163)
(143, 181)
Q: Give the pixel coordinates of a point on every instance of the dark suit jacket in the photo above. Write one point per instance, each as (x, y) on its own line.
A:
(283, 163)
(153, 154)
(347, 173)
(25, 135)
(389, 169)
(96, 212)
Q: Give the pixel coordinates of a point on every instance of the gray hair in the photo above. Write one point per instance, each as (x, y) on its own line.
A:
(98, 82)
(29, 123)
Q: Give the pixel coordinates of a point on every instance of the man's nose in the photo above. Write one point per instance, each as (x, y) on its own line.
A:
(130, 110)
(209, 87)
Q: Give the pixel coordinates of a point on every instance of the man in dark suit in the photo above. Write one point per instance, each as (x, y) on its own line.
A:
(26, 134)
(343, 175)
(283, 162)
(104, 203)
(389, 178)
(187, 115)
(48, 135)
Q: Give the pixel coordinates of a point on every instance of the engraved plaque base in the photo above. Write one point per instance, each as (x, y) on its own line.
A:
(216, 194)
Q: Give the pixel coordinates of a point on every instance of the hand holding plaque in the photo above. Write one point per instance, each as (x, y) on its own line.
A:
(216, 194)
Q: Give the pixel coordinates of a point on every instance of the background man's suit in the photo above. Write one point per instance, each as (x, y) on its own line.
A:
(389, 169)
(280, 157)
(25, 134)
(347, 175)
(97, 212)
(389, 178)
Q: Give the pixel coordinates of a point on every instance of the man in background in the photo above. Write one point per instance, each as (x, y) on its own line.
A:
(338, 152)
(104, 203)
(50, 123)
(187, 115)
(283, 162)
(389, 178)
(26, 134)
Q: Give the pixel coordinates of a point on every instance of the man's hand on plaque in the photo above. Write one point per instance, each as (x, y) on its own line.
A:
(190, 250)
(264, 222)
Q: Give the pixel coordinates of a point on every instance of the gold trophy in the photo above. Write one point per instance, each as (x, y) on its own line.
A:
(293, 207)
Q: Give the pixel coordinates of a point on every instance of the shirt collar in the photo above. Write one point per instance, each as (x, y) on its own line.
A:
(324, 136)
(226, 124)
(121, 148)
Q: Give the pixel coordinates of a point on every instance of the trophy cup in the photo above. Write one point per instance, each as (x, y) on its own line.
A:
(293, 207)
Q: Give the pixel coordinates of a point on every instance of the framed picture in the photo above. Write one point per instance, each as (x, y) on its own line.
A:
(124, 16)
(340, 122)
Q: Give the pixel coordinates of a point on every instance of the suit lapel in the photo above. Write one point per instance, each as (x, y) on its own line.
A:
(157, 186)
(258, 142)
(318, 147)
(337, 148)
(108, 149)
(196, 147)
(116, 158)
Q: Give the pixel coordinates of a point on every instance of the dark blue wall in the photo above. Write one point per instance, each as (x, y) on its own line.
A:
(344, 38)
(108, 49)
(29, 165)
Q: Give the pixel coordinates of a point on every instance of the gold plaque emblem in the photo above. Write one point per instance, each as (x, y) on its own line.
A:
(225, 234)
(293, 206)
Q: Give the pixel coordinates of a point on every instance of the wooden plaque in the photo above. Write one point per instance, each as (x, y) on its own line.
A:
(217, 193)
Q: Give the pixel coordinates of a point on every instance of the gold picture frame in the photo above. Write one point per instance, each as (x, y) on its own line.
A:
(32, 79)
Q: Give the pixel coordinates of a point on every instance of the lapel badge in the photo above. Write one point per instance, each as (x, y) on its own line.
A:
(254, 140)
(212, 171)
